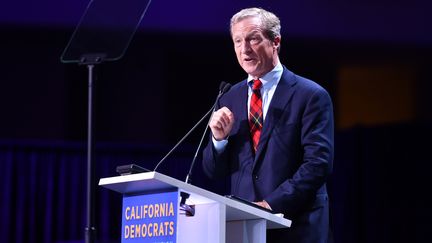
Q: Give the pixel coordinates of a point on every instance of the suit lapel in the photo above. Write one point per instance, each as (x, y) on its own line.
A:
(243, 116)
(280, 99)
(243, 106)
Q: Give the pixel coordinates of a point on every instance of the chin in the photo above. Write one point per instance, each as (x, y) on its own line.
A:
(250, 71)
(254, 73)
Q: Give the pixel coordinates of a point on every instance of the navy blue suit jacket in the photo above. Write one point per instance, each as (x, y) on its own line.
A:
(293, 159)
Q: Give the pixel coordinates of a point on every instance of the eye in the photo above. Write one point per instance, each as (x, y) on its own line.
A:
(255, 39)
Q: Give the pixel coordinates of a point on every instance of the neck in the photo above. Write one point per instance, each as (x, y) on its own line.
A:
(275, 62)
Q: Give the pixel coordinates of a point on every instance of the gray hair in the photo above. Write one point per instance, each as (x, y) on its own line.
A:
(269, 21)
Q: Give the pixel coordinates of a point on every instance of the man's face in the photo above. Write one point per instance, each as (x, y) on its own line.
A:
(256, 54)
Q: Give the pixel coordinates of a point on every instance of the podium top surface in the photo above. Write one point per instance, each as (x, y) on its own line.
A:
(153, 181)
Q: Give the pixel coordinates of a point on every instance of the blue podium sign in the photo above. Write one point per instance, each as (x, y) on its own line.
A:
(150, 218)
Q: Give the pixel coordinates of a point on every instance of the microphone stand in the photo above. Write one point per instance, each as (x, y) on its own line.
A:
(199, 146)
(190, 210)
(224, 87)
(184, 137)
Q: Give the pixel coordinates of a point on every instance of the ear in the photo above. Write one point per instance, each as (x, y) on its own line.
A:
(276, 42)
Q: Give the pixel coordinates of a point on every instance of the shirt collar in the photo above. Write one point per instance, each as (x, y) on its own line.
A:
(269, 79)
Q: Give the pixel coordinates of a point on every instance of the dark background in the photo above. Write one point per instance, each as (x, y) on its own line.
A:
(372, 56)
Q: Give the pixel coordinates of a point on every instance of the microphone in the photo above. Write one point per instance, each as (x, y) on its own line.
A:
(223, 88)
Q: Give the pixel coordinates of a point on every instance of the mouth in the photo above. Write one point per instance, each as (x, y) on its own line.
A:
(248, 59)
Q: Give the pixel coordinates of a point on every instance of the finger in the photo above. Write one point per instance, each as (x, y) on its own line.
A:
(224, 119)
(215, 124)
(228, 115)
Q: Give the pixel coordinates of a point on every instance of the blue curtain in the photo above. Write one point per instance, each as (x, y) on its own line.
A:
(43, 185)
(379, 190)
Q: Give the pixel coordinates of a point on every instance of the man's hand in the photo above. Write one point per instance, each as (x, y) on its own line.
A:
(221, 123)
(263, 204)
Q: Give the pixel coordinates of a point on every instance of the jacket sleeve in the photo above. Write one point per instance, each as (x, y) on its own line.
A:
(215, 164)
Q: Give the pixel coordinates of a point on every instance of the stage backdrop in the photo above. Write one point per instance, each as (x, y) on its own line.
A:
(379, 189)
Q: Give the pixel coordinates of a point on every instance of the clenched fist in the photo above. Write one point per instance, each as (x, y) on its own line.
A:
(221, 123)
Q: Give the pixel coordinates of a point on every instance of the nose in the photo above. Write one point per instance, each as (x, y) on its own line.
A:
(245, 47)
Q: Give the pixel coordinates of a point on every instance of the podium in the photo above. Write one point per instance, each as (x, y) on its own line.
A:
(216, 219)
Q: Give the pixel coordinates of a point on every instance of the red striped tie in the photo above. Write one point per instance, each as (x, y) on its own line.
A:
(256, 113)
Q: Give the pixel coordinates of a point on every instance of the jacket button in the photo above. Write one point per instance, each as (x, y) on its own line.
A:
(255, 177)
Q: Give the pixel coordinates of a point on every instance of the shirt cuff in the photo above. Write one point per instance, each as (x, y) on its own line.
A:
(219, 145)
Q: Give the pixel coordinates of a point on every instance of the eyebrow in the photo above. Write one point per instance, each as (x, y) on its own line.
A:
(254, 32)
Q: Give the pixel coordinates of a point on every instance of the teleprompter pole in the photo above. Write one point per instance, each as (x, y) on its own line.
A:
(90, 229)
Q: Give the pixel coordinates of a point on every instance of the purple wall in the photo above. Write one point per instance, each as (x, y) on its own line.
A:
(403, 21)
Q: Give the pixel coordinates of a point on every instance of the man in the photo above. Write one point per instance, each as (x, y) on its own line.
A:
(273, 133)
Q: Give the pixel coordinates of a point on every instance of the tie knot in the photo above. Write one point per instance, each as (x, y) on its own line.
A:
(256, 85)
